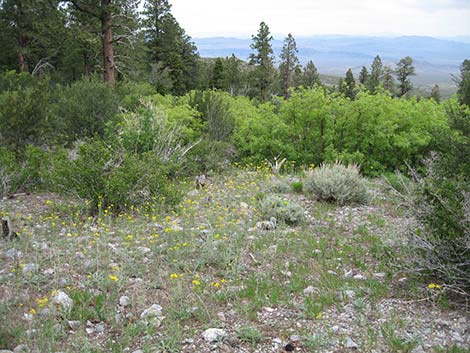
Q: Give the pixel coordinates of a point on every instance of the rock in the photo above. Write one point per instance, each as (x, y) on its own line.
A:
(351, 344)
(44, 246)
(79, 255)
(74, 325)
(63, 300)
(310, 290)
(348, 274)
(143, 249)
(379, 275)
(221, 316)
(30, 268)
(295, 338)
(5, 351)
(153, 315)
(124, 301)
(350, 294)
(12, 253)
(49, 271)
(138, 351)
(99, 328)
(214, 335)
(22, 348)
(188, 341)
(359, 276)
(331, 272)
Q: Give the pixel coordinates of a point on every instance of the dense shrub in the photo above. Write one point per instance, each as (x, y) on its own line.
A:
(24, 111)
(337, 183)
(282, 210)
(441, 205)
(113, 178)
(84, 108)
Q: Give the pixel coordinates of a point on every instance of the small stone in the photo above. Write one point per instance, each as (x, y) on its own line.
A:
(5, 351)
(22, 348)
(403, 279)
(310, 290)
(350, 343)
(44, 246)
(359, 277)
(154, 310)
(348, 274)
(79, 255)
(350, 294)
(12, 253)
(379, 275)
(63, 300)
(221, 316)
(73, 324)
(100, 327)
(124, 301)
(332, 273)
(138, 351)
(143, 249)
(49, 271)
(188, 341)
(214, 335)
(30, 268)
(295, 338)
(335, 328)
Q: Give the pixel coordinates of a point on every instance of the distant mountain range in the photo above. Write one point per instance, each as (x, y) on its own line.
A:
(435, 59)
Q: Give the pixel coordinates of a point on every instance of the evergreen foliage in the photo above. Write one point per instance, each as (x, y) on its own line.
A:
(404, 70)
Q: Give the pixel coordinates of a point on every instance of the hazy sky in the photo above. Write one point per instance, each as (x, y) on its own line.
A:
(202, 18)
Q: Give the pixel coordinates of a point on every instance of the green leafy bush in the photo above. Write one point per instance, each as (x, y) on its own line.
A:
(84, 107)
(337, 183)
(281, 209)
(113, 178)
(24, 111)
(297, 187)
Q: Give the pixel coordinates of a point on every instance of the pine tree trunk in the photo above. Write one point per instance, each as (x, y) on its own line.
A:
(108, 51)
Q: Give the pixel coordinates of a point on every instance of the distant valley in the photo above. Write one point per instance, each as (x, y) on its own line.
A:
(435, 59)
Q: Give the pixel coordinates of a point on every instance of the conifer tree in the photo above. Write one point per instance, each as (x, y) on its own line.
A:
(348, 85)
(310, 76)
(376, 74)
(463, 83)
(404, 70)
(218, 78)
(233, 74)
(364, 76)
(170, 48)
(388, 80)
(289, 66)
(436, 94)
(262, 61)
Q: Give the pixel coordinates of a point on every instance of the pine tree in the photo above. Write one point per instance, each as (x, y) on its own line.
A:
(436, 94)
(169, 46)
(31, 34)
(262, 61)
(376, 75)
(388, 80)
(289, 65)
(233, 74)
(218, 78)
(364, 76)
(404, 70)
(348, 85)
(116, 22)
(463, 83)
(310, 76)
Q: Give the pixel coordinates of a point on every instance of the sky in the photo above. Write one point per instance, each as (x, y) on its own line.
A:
(241, 18)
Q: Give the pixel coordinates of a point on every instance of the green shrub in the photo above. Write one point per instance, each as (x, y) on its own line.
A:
(84, 107)
(113, 178)
(338, 184)
(9, 172)
(283, 210)
(279, 185)
(25, 111)
(441, 205)
(209, 156)
(297, 187)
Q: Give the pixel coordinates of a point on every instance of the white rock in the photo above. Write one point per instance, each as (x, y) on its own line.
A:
(379, 275)
(143, 249)
(63, 300)
(49, 271)
(100, 327)
(30, 268)
(154, 311)
(310, 290)
(350, 343)
(74, 325)
(214, 334)
(348, 274)
(360, 277)
(79, 255)
(349, 293)
(12, 253)
(124, 301)
(138, 351)
(5, 351)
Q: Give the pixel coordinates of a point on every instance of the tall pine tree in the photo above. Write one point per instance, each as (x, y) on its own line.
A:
(310, 76)
(404, 70)
(289, 65)
(262, 61)
(364, 76)
(376, 75)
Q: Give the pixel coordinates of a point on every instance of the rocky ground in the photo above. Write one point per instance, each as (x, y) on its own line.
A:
(212, 277)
